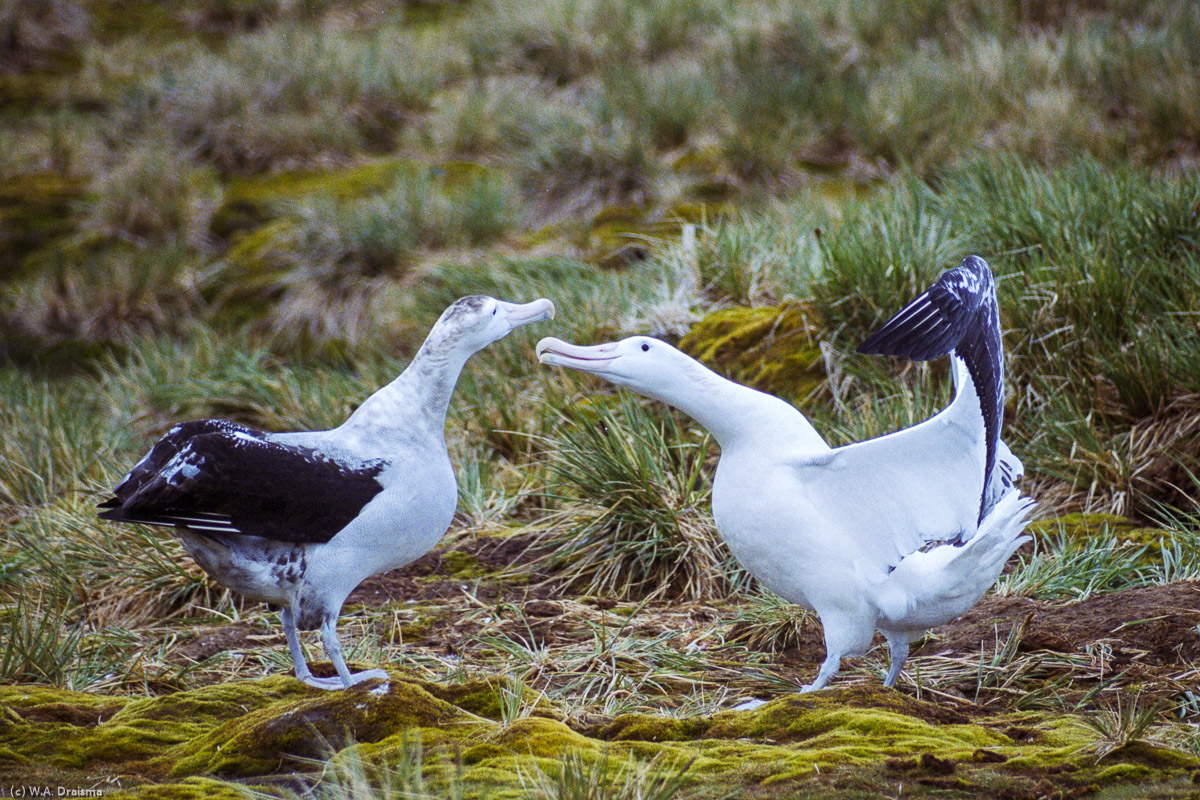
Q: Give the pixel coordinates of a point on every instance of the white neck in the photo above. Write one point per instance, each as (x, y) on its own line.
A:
(737, 415)
(420, 397)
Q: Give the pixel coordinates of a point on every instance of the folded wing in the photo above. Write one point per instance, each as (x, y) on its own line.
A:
(215, 477)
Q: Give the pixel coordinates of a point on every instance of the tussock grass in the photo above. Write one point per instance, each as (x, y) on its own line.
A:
(124, 575)
(332, 269)
(409, 773)
(35, 31)
(771, 624)
(238, 377)
(865, 147)
(635, 519)
(610, 669)
(55, 440)
(576, 777)
(290, 93)
(1097, 271)
(40, 641)
(82, 306)
(154, 194)
(1064, 568)
(1122, 723)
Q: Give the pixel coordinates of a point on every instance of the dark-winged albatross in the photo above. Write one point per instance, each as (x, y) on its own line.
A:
(898, 533)
(300, 519)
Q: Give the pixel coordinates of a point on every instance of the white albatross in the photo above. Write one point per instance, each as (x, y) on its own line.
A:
(898, 533)
(300, 519)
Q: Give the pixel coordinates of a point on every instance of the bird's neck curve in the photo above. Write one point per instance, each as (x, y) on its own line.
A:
(737, 415)
(419, 398)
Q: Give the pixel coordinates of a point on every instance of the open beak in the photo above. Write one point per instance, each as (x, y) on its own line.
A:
(556, 352)
(523, 314)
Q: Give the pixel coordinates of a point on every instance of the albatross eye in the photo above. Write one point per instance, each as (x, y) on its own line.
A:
(493, 312)
(645, 347)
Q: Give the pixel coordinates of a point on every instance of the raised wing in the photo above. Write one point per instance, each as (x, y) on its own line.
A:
(957, 314)
(219, 477)
(890, 496)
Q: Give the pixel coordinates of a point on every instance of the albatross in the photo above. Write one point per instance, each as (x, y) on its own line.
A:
(299, 519)
(897, 534)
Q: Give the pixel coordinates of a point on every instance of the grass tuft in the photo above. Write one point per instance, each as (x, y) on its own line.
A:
(40, 640)
(577, 777)
(1125, 721)
(634, 521)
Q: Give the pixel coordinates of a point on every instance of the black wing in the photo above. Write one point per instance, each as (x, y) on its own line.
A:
(958, 313)
(219, 477)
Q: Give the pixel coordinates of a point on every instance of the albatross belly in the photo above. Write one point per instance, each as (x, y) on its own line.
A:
(259, 569)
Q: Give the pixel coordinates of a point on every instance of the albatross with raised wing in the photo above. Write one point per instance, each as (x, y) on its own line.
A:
(896, 534)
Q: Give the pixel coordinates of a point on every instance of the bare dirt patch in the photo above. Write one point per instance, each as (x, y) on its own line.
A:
(207, 642)
(1151, 625)
(432, 576)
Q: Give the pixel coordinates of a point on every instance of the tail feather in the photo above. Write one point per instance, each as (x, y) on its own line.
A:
(933, 587)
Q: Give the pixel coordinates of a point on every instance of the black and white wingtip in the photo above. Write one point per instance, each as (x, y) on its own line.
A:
(936, 321)
(958, 315)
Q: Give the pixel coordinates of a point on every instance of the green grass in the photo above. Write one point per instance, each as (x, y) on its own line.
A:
(1097, 271)
(578, 778)
(350, 775)
(635, 521)
(255, 210)
(40, 642)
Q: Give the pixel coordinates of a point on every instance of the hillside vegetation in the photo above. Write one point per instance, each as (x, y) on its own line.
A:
(255, 209)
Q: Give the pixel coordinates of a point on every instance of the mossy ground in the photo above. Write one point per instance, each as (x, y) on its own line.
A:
(868, 738)
(256, 208)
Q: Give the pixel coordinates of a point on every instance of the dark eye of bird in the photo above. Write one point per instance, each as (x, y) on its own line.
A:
(493, 312)
(645, 347)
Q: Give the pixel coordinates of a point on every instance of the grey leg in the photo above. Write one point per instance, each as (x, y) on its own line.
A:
(829, 668)
(898, 650)
(843, 636)
(333, 649)
(303, 673)
(293, 639)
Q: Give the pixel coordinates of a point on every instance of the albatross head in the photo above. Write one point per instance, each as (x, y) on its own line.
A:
(646, 365)
(474, 322)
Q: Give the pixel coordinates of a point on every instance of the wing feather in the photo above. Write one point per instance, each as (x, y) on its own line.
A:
(957, 314)
(894, 494)
(216, 477)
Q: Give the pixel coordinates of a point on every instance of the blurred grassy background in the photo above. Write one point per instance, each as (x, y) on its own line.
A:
(256, 208)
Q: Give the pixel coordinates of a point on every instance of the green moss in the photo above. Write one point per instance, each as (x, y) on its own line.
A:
(249, 201)
(647, 728)
(619, 234)
(42, 697)
(483, 752)
(144, 18)
(270, 738)
(1154, 756)
(483, 697)
(462, 566)
(213, 704)
(772, 348)
(1084, 529)
(1122, 773)
(249, 265)
(546, 738)
(194, 788)
(872, 736)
